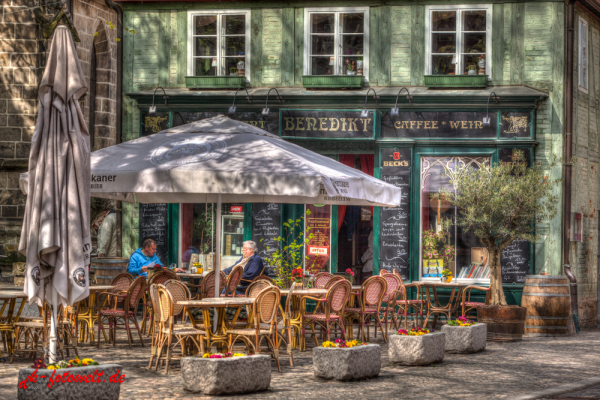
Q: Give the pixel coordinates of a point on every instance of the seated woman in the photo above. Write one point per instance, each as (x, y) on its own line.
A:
(252, 263)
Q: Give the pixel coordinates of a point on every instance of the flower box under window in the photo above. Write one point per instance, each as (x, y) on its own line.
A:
(332, 81)
(215, 82)
(457, 81)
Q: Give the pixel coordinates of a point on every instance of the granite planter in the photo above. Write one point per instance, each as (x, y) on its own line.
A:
(99, 382)
(230, 375)
(417, 350)
(347, 364)
(465, 339)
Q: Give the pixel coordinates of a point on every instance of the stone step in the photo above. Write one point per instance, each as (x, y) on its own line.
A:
(7, 278)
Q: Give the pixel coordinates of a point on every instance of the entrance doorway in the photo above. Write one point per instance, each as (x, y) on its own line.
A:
(355, 226)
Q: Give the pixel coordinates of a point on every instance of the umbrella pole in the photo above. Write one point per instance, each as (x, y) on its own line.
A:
(217, 261)
(52, 354)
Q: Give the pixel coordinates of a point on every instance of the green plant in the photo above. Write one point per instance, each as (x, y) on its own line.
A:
(436, 246)
(233, 70)
(289, 251)
(502, 204)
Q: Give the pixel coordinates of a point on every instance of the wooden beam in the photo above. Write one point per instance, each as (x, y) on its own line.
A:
(417, 62)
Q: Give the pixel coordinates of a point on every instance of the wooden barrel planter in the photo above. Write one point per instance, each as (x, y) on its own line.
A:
(106, 268)
(504, 323)
(548, 304)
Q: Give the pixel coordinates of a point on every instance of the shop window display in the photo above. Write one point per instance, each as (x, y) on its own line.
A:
(318, 230)
(445, 245)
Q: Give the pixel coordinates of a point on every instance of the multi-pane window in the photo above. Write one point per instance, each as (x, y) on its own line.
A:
(219, 43)
(458, 40)
(583, 55)
(336, 41)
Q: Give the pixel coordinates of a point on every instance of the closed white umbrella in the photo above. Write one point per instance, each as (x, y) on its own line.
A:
(222, 160)
(56, 229)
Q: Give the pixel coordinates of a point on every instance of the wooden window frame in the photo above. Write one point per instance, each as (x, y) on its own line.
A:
(220, 42)
(468, 7)
(337, 34)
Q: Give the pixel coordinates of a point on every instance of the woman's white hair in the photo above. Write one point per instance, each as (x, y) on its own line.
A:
(251, 244)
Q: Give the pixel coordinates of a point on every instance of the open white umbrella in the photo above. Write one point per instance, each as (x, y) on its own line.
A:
(222, 160)
(56, 229)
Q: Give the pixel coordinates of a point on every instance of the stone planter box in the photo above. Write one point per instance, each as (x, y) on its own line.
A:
(98, 387)
(417, 350)
(465, 339)
(232, 375)
(347, 364)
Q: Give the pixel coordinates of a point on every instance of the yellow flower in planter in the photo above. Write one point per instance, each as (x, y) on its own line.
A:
(328, 344)
(239, 355)
(50, 367)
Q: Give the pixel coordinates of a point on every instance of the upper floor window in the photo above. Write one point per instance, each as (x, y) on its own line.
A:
(336, 41)
(583, 55)
(219, 43)
(458, 40)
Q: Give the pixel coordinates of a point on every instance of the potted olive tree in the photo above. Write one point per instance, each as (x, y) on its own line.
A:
(501, 204)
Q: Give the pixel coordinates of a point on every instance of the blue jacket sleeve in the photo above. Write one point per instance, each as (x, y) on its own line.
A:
(228, 270)
(253, 268)
(135, 265)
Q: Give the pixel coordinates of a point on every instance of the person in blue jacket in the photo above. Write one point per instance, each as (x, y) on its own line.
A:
(252, 263)
(139, 260)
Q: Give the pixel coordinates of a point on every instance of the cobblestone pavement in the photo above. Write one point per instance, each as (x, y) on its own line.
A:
(586, 394)
(501, 371)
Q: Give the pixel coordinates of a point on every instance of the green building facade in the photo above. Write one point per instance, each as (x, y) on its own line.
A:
(460, 62)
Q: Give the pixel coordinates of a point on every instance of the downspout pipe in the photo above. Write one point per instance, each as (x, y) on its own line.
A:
(568, 169)
(119, 10)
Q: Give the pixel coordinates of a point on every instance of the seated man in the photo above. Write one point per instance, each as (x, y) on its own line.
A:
(139, 260)
(252, 263)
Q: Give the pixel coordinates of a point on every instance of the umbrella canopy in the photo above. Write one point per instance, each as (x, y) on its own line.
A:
(56, 229)
(193, 163)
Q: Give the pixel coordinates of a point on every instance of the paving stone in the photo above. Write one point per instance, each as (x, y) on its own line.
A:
(465, 339)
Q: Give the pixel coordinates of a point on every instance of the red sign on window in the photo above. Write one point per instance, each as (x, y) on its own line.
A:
(236, 209)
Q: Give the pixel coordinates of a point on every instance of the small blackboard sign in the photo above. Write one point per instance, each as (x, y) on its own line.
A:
(266, 226)
(395, 221)
(514, 261)
(153, 225)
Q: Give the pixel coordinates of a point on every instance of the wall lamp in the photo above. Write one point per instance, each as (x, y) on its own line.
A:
(486, 119)
(248, 97)
(265, 111)
(152, 109)
(394, 112)
(365, 113)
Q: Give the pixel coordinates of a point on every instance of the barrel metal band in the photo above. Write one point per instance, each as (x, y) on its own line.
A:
(544, 327)
(547, 294)
(538, 317)
(548, 284)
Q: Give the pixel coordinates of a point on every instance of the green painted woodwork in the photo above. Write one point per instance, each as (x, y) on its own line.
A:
(215, 82)
(498, 43)
(471, 81)
(517, 49)
(376, 215)
(385, 51)
(417, 45)
(298, 46)
(537, 46)
(173, 234)
(181, 47)
(400, 43)
(272, 46)
(374, 46)
(334, 238)
(164, 43)
(287, 47)
(332, 81)
(256, 25)
(247, 221)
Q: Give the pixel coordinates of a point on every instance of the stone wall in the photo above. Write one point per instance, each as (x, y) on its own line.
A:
(22, 61)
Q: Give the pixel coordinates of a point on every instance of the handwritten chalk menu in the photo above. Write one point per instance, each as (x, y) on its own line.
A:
(266, 226)
(514, 261)
(153, 225)
(395, 221)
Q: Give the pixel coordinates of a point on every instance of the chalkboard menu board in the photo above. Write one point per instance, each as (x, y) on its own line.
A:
(395, 221)
(266, 226)
(153, 225)
(515, 262)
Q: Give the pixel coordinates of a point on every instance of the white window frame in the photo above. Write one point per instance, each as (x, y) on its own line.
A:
(583, 86)
(337, 44)
(488, 34)
(220, 43)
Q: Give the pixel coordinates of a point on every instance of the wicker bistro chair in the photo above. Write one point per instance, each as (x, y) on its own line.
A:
(418, 305)
(383, 272)
(252, 291)
(394, 290)
(334, 305)
(264, 309)
(259, 276)
(207, 287)
(179, 292)
(159, 277)
(468, 305)
(372, 292)
(233, 280)
(263, 278)
(116, 317)
(321, 279)
(154, 322)
(184, 335)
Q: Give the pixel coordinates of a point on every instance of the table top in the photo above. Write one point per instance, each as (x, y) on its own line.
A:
(99, 288)
(189, 275)
(356, 287)
(305, 292)
(12, 294)
(443, 284)
(218, 302)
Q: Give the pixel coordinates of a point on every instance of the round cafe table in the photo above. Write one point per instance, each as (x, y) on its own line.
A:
(87, 312)
(194, 280)
(219, 336)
